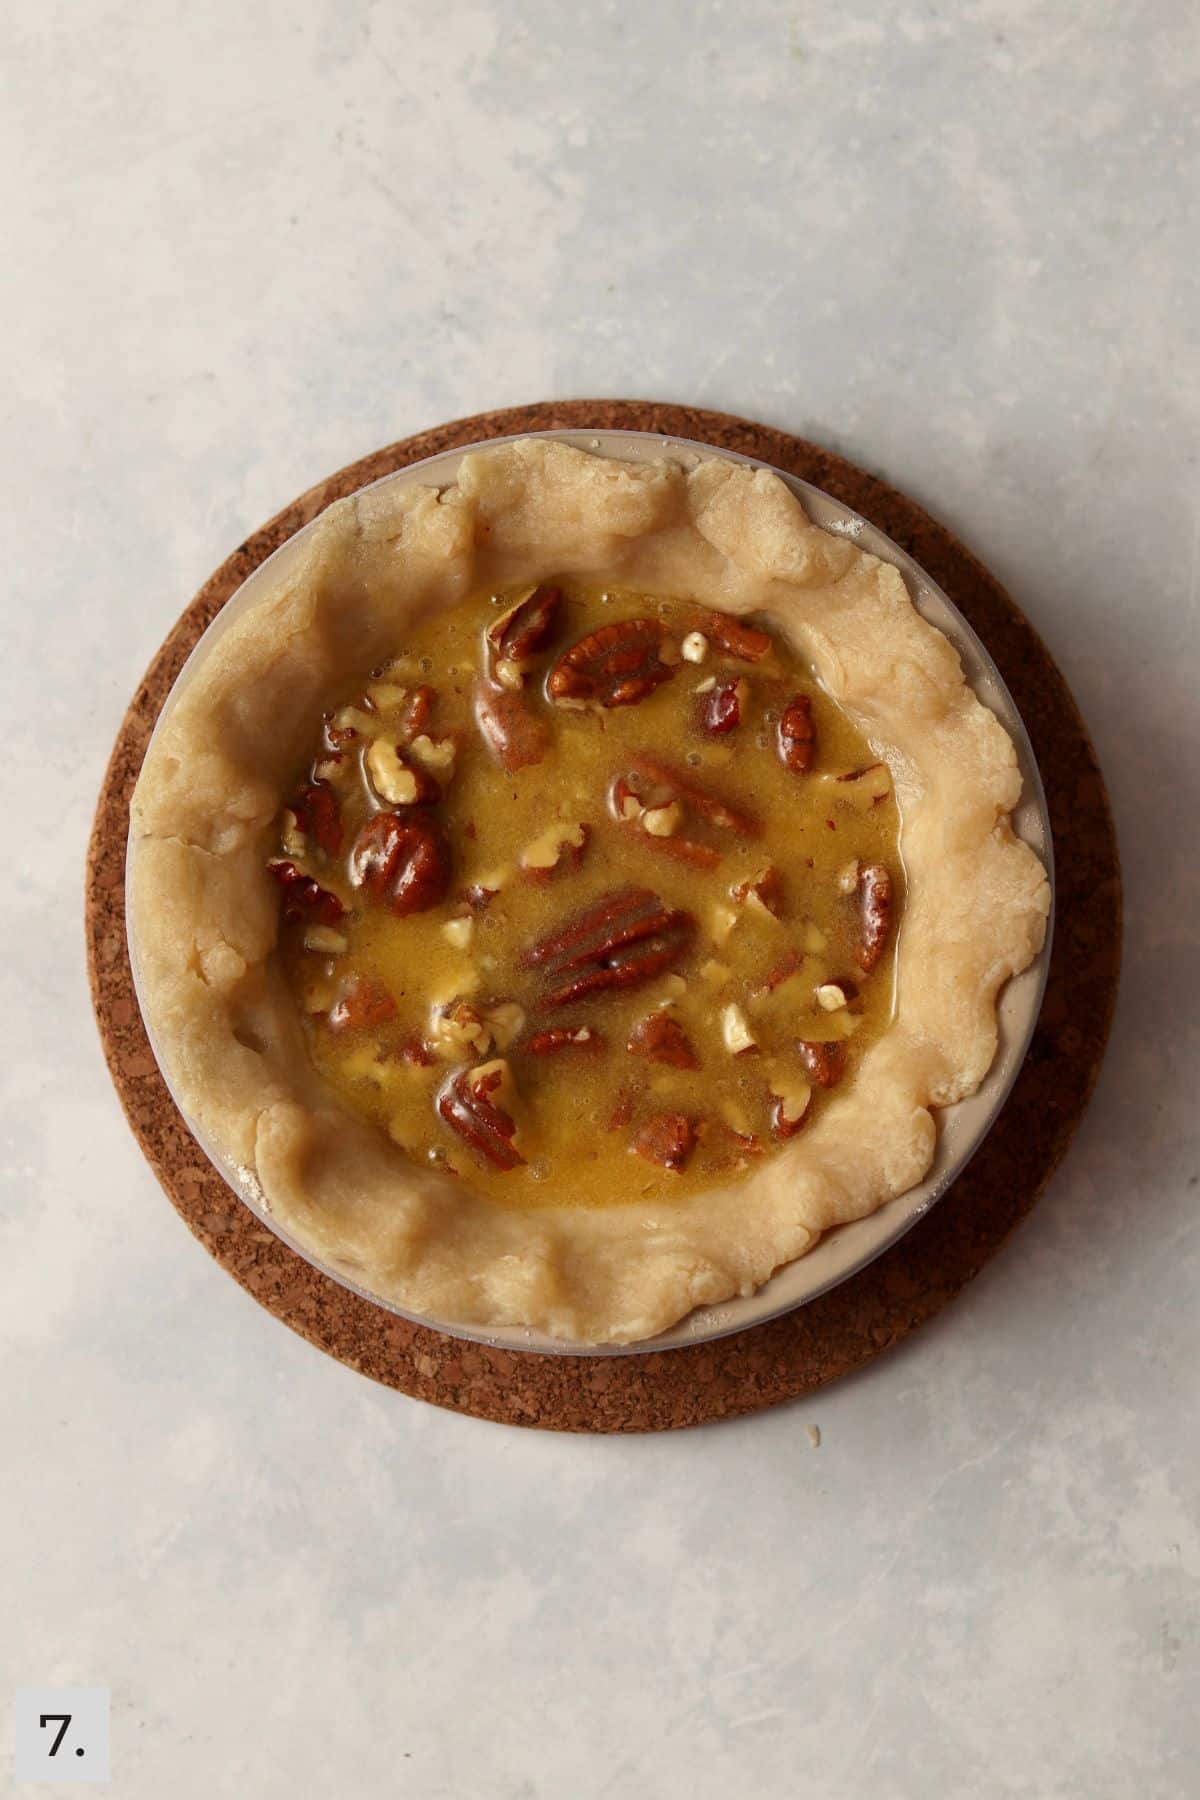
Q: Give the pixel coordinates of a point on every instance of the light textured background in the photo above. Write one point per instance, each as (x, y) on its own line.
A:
(245, 243)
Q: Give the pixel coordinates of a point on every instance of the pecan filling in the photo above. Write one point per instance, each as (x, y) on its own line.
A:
(589, 896)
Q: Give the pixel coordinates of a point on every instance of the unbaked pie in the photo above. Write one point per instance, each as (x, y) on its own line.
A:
(568, 894)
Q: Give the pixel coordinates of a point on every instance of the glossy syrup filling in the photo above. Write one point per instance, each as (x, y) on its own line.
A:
(589, 896)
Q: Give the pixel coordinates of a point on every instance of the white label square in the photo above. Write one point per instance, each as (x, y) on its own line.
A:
(61, 1734)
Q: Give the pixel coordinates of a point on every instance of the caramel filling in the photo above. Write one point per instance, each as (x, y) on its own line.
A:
(590, 896)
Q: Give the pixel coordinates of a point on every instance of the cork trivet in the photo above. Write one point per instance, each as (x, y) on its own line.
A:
(842, 1329)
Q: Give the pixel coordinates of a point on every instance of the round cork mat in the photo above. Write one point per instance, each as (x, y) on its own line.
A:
(839, 1331)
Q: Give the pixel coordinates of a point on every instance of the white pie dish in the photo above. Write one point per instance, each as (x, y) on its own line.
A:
(960, 1128)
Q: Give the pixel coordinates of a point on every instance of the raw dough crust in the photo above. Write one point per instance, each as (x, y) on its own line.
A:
(204, 914)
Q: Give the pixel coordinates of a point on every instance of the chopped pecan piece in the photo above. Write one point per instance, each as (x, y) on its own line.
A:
(736, 639)
(458, 1030)
(722, 707)
(736, 1034)
(436, 756)
(365, 1003)
(662, 821)
(526, 628)
(326, 941)
(419, 711)
(667, 1138)
(559, 848)
(618, 665)
(477, 897)
(748, 1142)
(687, 850)
(304, 898)
(875, 914)
(337, 735)
(789, 1112)
(493, 1081)
(414, 1050)
(874, 781)
(742, 1142)
(628, 808)
(796, 735)
(766, 888)
(397, 781)
(564, 1037)
(319, 816)
(622, 1111)
(514, 735)
(824, 1063)
(712, 807)
(402, 861)
(783, 970)
(465, 1104)
(624, 803)
(662, 1039)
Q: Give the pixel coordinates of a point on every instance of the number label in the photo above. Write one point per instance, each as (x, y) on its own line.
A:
(62, 1720)
(61, 1735)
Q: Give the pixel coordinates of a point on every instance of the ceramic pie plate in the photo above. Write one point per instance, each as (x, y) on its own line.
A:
(849, 1248)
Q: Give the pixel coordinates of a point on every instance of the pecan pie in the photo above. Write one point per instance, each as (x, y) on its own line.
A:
(570, 893)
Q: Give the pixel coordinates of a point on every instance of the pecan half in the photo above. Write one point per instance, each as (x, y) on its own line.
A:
(630, 966)
(401, 861)
(619, 917)
(319, 816)
(467, 1108)
(564, 1037)
(875, 914)
(824, 1063)
(736, 639)
(712, 807)
(796, 735)
(514, 735)
(662, 1039)
(527, 627)
(304, 898)
(364, 1003)
(721, 708)
(622, 940)
(618, 665)
(667, 1138)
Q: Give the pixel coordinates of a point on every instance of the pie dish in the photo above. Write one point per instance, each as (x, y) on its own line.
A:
(205, 913)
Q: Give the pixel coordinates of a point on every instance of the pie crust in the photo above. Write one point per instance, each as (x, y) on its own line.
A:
(204, 914)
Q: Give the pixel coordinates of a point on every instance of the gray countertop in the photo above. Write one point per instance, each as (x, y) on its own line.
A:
(248, 244)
